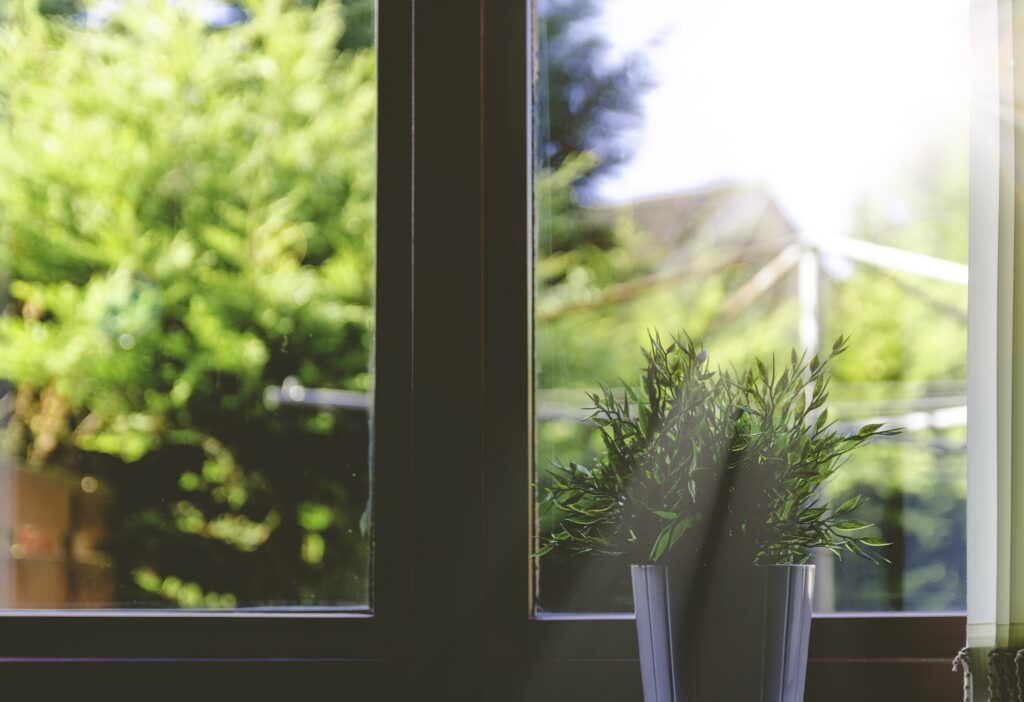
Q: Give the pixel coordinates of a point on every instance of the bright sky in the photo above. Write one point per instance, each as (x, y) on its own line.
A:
(817, 99)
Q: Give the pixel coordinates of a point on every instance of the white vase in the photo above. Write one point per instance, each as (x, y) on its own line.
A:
(730, 634)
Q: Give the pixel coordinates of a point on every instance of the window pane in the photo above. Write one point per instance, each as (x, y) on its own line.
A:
(187, 202)
(762, 177)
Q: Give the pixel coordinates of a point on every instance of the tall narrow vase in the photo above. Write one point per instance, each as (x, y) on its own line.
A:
(723, 635)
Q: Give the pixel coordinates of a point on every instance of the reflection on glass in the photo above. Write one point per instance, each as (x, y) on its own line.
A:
(186, 274)
(749, 174)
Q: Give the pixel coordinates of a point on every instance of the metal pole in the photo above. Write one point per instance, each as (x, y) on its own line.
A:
(811, 329)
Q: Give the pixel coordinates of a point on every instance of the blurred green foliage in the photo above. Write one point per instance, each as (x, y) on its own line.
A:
(910, 341)
(187, 218)
(908, 344)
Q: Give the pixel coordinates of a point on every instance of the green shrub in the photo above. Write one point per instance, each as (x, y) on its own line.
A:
(186, 218)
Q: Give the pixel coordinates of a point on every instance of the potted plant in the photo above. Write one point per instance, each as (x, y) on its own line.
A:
(711, 482)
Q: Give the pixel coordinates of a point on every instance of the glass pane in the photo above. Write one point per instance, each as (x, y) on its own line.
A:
(762, 177)
(187, 246)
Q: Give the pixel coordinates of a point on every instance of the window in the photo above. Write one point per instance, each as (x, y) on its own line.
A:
(188, 214)
(858, 655)
(452, 601)
(745, 174)
(349, 613)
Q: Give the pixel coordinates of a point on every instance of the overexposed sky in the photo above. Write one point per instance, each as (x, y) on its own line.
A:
(818, 100)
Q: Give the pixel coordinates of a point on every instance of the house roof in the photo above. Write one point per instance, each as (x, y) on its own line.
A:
(732, 215)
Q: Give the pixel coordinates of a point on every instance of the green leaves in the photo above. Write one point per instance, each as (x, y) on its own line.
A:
(545, 549)
(187, 218)
(848, 506)
(687, 437)
(849, 525)
(670, 535)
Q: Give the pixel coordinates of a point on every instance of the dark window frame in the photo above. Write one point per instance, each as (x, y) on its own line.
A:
(451, 604)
